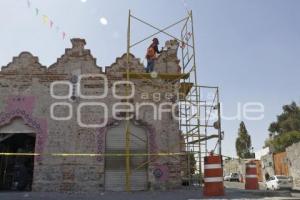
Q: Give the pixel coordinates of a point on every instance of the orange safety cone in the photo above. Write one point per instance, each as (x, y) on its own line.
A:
(251, 180)
(213, 176)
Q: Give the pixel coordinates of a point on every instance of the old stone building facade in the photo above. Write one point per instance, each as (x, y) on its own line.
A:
(267, 166)
(43, 112)
(293, 161)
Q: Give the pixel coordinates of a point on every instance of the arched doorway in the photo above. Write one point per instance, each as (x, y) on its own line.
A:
(16, 172)
(115, 169)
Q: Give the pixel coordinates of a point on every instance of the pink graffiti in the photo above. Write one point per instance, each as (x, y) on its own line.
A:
(22, 106)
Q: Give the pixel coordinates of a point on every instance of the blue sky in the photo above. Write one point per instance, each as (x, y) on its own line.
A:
(250, 48)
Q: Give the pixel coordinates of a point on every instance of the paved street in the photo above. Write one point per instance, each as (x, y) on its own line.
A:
(238, 185)
(233, 191)
(282, 194)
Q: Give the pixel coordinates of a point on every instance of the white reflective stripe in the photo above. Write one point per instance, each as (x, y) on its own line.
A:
(251, 166)
(213, 179)
(212, 166)
(251, 176)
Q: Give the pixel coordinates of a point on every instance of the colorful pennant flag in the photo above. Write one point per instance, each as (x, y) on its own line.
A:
(46, 19)
(28, 3)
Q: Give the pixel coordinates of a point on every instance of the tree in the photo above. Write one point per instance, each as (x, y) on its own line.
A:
(288, 121)
(243, 142)
(279, 143)
(286, 130)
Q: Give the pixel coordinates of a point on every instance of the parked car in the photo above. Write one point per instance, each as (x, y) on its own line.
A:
(279, 182)
(232, 177)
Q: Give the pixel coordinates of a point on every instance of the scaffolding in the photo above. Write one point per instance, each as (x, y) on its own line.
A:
(199, 123)
(199, 116)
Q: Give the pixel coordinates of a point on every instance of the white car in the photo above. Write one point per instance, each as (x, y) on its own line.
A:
(232, 177)
(279, 182)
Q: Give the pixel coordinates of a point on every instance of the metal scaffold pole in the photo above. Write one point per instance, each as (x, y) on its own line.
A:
(197, 95)
(219, 123)
(127, 130)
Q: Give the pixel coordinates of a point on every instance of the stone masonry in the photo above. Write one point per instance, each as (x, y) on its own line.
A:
(293, 153)
(25, 86)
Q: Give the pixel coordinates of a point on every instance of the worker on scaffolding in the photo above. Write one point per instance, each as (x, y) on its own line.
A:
(151, 55)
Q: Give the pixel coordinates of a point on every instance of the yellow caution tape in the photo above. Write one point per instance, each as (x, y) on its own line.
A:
(90, 154)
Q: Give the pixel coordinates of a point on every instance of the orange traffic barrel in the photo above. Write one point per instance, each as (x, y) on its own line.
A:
(213, 176)
(251, 180)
